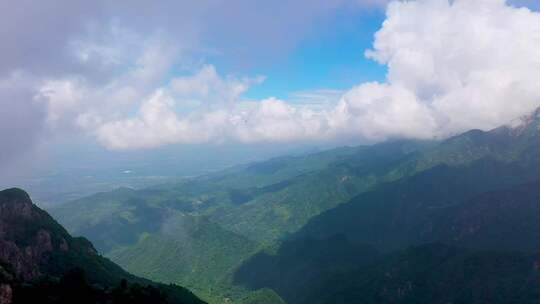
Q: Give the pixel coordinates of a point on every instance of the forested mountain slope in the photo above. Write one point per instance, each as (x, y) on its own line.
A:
(385, 197)
(39, 260)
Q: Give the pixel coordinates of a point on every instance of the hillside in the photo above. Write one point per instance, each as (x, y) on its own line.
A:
(386, 196)
(436, 273)
(502, 222)
(168, 256)
(299, 266)
(39, 257)
(279, 195)
(430, 273)
(488, 203)
(247, 208)
(408, 211)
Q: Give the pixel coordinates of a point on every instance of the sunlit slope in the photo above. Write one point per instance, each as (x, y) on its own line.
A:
(187, 249)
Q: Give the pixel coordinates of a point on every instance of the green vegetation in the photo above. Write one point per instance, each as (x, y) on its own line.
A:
(183, 240)
(40, 260)
(218, 233)
(491, 225)
(231, 213)
(301, 265)
(73, 287)
(436, 273)
(262, 296)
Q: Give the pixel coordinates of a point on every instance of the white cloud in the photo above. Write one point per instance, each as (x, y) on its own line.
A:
(275, 120)
(81, 101)
(158, 123)
(207, 87)
(472, 64)
(375, 111)
(139, 106)
(452, 66)
(62, 97)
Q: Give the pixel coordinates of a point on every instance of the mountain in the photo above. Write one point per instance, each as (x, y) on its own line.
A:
(246, 208)
(384, 198)
(297, 267)
(412, 209)
(168, 256)
(262, 201)
(502, 222)
(489, 202)
(436, 273)
(40, 260)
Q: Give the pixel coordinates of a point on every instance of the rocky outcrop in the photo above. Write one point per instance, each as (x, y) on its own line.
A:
(33, 245)
(26, 240)
(6, 294)
(25, 261)
(41, 263)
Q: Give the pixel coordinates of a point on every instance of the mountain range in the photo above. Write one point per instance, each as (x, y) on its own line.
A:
(404, 221)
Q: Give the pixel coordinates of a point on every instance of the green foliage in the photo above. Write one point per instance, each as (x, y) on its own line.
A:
(69, 269)
(262, 296)
(414, 209)
(300, 265)
(487, 202)
(73, 287)
(170, 256)
(389, 196)
(436, 273)
(225, 217)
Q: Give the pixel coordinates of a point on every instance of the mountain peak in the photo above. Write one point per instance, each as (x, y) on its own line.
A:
(14, 195)
(526, 123)
(37, 250)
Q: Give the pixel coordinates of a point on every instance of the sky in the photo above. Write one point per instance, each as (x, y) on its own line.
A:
(121, 76)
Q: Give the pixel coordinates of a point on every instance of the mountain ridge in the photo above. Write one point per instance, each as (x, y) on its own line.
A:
(36, 252)
(393, 189)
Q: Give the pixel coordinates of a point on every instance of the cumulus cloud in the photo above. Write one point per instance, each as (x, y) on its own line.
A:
(451, 66)
(208, 88)
(80, 63)
(203, 107)
(79, 100)
(157, 123)
(376, 111)
(467, 64)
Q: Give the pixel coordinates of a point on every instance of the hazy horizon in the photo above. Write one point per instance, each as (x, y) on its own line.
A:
(102, 88)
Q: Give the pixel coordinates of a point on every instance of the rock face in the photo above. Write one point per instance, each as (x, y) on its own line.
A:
(33, 244)
(6, 294)
(41, 263)
(28, 235)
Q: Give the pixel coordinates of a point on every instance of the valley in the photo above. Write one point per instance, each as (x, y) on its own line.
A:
(211, 233)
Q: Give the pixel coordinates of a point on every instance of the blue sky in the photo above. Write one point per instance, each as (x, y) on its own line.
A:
(335, 59)
(532, 4)
(330, 57)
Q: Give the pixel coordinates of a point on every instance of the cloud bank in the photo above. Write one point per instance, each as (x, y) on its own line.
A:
(451, 66)
(468, 64)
